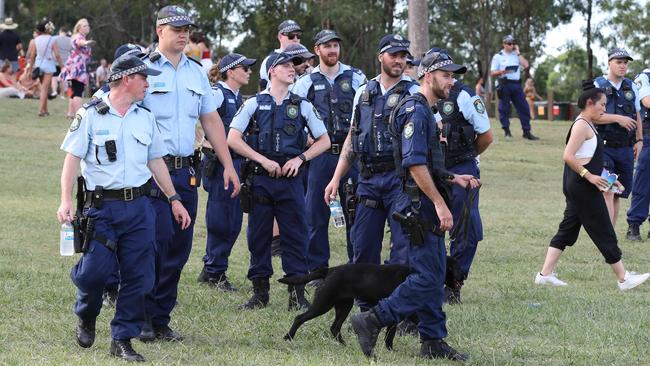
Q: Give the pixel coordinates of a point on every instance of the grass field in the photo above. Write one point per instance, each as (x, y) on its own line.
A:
(504, 318)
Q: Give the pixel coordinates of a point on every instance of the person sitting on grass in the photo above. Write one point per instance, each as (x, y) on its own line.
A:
(583, 186)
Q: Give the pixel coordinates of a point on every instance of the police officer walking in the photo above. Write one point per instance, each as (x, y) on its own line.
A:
(368, 140)
(118, 146)
(179, 96)
(466, 128)
(620, 127)
(289, 32)
(507, 66)
(638, 211)
(274, 122)
(426, 214)
(223, 214)
(330, 87)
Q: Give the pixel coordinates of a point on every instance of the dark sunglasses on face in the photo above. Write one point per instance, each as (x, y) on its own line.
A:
(292, 35)
(509, 43)
(245, 68)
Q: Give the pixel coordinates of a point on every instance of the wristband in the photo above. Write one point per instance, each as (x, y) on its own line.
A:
(583, 172)
(303, 157)
(176, 197)
(638, 140)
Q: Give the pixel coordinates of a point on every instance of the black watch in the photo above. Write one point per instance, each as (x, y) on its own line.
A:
(176, 197)
(303, 157)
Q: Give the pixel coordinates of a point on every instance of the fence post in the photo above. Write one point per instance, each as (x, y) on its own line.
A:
(549, 105)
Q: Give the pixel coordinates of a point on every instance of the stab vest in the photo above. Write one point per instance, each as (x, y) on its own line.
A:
(333, 102)
(458, 131)
(619, 102)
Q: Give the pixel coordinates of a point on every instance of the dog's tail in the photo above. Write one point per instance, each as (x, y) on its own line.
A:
(300, 280)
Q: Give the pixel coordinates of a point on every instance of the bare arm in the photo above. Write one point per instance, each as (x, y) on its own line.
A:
(68, 175)
(216, 135)
(346, 160)
(291, 167)
(483, 141)
(237, 143)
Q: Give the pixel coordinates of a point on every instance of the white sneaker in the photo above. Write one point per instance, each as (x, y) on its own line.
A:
(549, 280)
(632, 280)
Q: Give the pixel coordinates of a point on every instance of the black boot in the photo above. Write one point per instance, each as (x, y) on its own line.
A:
(367, 328)
(633, 233)
(528, 135)
(437, 348)
(124, 350)
(85, 332)
(165, 333)
(147, 333)
(507, 132)
(219, 281)
(452, 295)
(260, 296)
(297, 300)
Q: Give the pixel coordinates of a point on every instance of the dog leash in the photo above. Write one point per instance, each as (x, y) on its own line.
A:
(465, 216)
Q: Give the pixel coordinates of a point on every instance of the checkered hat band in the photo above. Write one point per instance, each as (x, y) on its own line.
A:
(232, 64)
(127, 72)
(164, 21)
(434, 67)
(290, 28)
(296, 52)
(619, 54)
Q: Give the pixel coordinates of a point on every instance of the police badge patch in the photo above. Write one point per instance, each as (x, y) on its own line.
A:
(448, 108)
(316, 112)
(239, 110)
(345, 85)
(292, 111)
(479, 106)
(409, 128)
(392, 100)
(74, 125)
(629, 95)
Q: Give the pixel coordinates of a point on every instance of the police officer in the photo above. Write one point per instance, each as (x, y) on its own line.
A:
(506, 67)
(638, 211)
(119, 146)
(223, 214)
(330, 87)
(412, 67)
(466, 128)
(620, 126)
(425, 211)
(179, 96)
(289, 32)
(296, 49)
(369, 141)
(125, 49)
(274, 122)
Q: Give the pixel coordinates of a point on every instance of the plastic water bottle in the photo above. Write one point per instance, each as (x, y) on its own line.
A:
(66, 246)
(336, 212)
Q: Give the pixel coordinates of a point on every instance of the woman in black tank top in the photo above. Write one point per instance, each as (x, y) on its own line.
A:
(582, 185)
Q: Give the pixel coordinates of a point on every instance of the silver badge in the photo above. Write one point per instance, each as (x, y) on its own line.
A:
(448, 108)
(398, 37)
(345, 85)
(629, 95)
(292, 111)
(408, 130)
(392, 100)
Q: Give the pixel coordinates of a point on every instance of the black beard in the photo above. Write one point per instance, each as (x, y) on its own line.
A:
(388, 70)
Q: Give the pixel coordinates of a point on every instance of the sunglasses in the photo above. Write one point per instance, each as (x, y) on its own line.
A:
(292, 35)
(245, 68)
(508, 43)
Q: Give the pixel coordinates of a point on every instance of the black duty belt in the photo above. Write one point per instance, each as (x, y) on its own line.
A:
(177, 162)
(125, 194)
(374, 168)
(210, 153)
(335, 149)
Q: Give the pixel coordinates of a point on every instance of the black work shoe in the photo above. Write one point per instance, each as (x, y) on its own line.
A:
(147, 333)
(367, 328)
(452, 296)
(276, 246)
(85, 333)
(633, 233)
(124, 350)
(297, 300)
(165, 333)
(260, 296)
(219, 282)
(437, 348)
(528, 135)
(508, 134)
(109, 298)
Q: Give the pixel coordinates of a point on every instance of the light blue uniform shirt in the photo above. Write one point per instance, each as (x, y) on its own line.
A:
(243, 117)
(137, 140)
(177, 97)
(501, 60)
(635, 89)
(412, 90)
(303, 84)
(468, 106)
(643, 83)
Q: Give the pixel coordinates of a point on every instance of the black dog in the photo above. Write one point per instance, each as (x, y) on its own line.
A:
(342, 284)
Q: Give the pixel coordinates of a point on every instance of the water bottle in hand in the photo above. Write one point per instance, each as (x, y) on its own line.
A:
(336, 212)
(66, 246)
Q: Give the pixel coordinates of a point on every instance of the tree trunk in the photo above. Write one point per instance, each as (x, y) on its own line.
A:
(418, 27)
(590, 55)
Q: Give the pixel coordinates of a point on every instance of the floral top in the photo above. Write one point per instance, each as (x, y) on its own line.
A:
(75, 66)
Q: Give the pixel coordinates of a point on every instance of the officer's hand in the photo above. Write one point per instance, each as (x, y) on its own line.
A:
(272, 167)
(446, 220)
(465, 179)
(638, 146)
(331, 191)
(180, 214)
(230, 178)
(626, 122)
(290, 168)
(64, 213)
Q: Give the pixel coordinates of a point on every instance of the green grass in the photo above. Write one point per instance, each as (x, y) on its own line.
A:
(589, 322)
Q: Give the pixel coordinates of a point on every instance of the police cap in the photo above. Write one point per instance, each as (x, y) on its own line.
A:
(509, 39)
(289, 26)
(296, 49)
(618, 53)
(174, 15)
(276, 59)
(393, 43)
(438, 59)
(233, 60)
(325, 36)
(128, 65)
(128, 49)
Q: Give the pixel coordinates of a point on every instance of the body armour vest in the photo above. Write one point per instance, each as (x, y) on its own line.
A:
(230, 105)
(645, 115)
(619, 102)
(333, 102)
(371, 140)
(277, 131)
(458, 131)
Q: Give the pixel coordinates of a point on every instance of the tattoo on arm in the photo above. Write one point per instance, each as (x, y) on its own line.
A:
(348, 153)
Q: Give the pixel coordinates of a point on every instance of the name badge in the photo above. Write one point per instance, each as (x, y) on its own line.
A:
(264, 107)
(319, 87)
(101, 132)
(231, 101)
(158, 84)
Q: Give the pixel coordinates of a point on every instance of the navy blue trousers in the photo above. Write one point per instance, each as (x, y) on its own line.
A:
(131, 225)
(640, 202)
(318, 214)
(513, 92)
(223, 219)
(173, 247)
(464, 249)
(288, 206)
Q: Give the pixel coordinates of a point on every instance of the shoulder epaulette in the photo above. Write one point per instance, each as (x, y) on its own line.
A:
(143, 107)
(152, 56)
(198, 62)
(91, 103)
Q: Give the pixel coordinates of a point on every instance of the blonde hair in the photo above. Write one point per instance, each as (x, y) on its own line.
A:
(75, 30)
